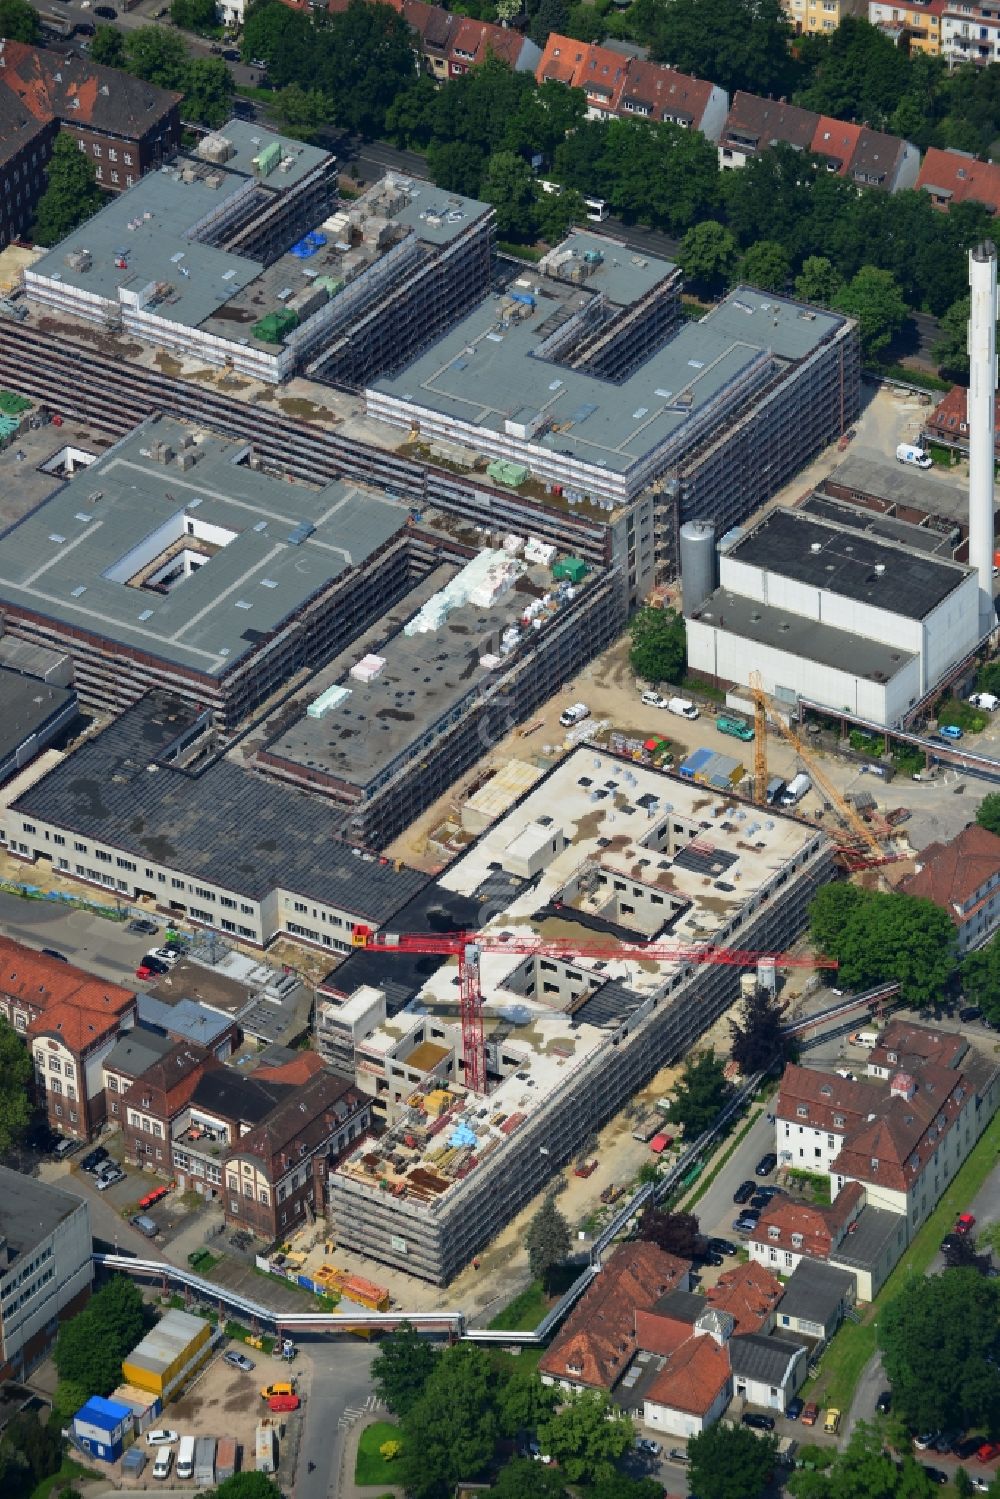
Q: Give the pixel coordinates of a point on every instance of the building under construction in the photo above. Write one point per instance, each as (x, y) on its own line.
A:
(600, 846)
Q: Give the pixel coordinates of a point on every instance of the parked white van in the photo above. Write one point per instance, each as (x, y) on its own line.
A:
(185, 1458)
(796, 789)
(161, 1468)
(682, 707)
(908, 452)
(574, 714)
(986, 701)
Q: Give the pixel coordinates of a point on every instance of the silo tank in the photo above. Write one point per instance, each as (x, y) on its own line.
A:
(698, 562)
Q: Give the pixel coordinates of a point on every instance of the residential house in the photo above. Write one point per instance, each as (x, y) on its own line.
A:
(820, 17)
(629, 87)
(948, 423)
(448, 44)
(767, 1372)
(128, 1060)
(868, 158)
(276, 1173)
(691, 1382)
(749, 1294)
(599, 1338)
(153, 1103)
(46, 1269)
(788, 1231)
(914, 23)
(815, 1300)
(124, 125)
(970, 32)
(952, 176)
(962, 877)
(70, 1020)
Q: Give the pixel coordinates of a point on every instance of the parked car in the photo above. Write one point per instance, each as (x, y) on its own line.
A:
(646, 1444)
(745, 1223)
(744, 1192)
(161, 1437)
(759, 1202)
(144, 925)
(926, 1440)
(770, 1192)
(794, 1409)
(652, 700)
(965, 1223)
(810, 1413)
(107, 1179)
(946, 1442)
(949, 731)
(679, 1455)
(94, 1159)
(966, 1448)
(721, 1246)
(757, 1422)
(145, 1225)
(766, 1164)
(970, 1013)
(988, 1451)
(168, 955)
(239, 1361)
(711, 1258)
(106, 12)
(884, 1403)
(268, 1391)
(831, 1421)
(64, 1147)
(163, 1463)
(935, 1474)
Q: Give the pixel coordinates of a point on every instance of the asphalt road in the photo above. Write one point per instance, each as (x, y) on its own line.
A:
(716, 1210)
(340, 1383)
(101, 946)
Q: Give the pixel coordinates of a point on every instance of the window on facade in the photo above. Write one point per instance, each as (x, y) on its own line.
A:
(55, 1085)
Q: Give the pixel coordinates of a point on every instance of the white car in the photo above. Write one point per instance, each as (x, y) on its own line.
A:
(168, 955)
(160, 1438)
(653, 700)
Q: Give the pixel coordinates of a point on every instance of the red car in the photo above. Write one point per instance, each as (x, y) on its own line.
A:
(988, 1451)
(284, 1403)
(964, 1223)
(157, 1195)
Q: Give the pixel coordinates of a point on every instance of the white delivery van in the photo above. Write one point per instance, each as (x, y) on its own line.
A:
(796, 789)
(908, 452)
(161, 1468)
(574, 714)
(682, 707)
(985, 700)
(185, 1458)
(868, 1038)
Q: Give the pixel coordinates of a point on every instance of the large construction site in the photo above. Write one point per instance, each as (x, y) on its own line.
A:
(600, 851)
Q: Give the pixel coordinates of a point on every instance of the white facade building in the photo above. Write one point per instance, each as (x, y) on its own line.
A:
(45, 1251)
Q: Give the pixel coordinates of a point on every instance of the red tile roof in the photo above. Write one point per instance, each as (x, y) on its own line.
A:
(597, 1341)
(63, 1000)
(837, 140)
(696, 1374)
(904, 1044)
(174, 1078)
(826, 1098)
(749, 1293)
(82, 93)
(950, 874)
(804, 1228)
(952, 177)
(765, 122)
(615, 80)
(893, 1148)
(298, 1071)
(949, 419)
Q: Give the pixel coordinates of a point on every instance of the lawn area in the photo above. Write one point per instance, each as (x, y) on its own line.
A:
(68, 1473)
(524, 1312)
(372, 1467)
(855, 1342)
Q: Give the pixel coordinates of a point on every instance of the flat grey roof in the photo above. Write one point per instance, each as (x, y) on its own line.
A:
(761, 1356)
(30, 1210)
(843, 560)
(75, 558)
(887, 527)
(425, 679)
(481, 373)
(186, 1018)
(248, 139)
(625, 275)
(26, 705)
(815, 1290)
(766, 625)
(227, 825)
(434, 216)
(137, 1050)
(904, 485)
(876, 1227)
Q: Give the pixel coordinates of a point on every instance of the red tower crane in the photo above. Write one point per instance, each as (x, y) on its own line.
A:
(468, 947)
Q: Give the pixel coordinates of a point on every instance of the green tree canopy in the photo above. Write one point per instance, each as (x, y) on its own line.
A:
(700, 1094)
(988, 812)
(524, 1402)
(108, 47)
(301, 112)
(744, 47)
(677, 1233)
(207, 85)
(194, 15)
(90, 1348)
(507, 183)
(71, 194)
(525, 1479)
(451, 1431)
(659, 645)
(586, 1436)
(708, 257)
(874, 298)
(730, 1462)
(15, 1085)
(877, 935)
(247, 1486)
(547, 1240)
(864, 1470)
(757, 1039)
(404, 1363)
(858, 73)
(766, 264)
(157, 55)
(951, 348)
(939, 1340)
(817, 281)
(19, 21)
(981, 978)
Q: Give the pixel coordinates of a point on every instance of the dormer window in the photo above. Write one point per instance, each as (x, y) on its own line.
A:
(796, 1241)
(774, 1232)
(875, 1163)
(893, 1056)
(838, 1120)
(802, 1111)
(826, 1090)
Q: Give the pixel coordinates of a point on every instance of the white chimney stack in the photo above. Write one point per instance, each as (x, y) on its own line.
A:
(981, 412)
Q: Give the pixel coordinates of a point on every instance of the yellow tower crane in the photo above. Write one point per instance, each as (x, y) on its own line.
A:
(872, 853)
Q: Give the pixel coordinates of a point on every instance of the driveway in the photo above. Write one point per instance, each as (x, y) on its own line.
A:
(340, 1385)
(716, 1209)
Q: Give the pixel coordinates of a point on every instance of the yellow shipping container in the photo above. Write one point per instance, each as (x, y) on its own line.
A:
(169, 1353)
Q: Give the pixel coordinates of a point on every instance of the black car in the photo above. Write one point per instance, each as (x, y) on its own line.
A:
(794, 1408)
(155, 965)
(144, 925)
(50, 952)
(84, 28)
(949, 1242)
(759, 1202)
(935, 1475)
(230, 54)
(711, 1258)
(884, 1403)
(766, 1164)
(970, 1013)
(967, 1447)
(721, 1246)
(106, 12)
(758, 1423)
(744, 1192)
(946, 1442)
(93, 1160)
(770, 1192)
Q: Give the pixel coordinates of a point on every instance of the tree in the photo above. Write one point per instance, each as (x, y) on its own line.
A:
(858, 73)
(451, 1431)
(988, 815)
(402, 1368)
(757, 1039)
(524, 1402)
(525, 1479)
(744, 47)
(700, 1094)
(817, 281)
(247, 1486)
(864, 1470)
(676, 1233)
(157, 55)
(878, 935)
(15, 1082)
(207, 85)
(19, 21)
(939, 1339)
(90, 1348)
(456, 167)
(962, 1254)
(766, 264)
(551, 15)
(874, 298)
(71, 194)
(587, 1436)
(547, 1240)
(708, 257)
(301, 112)
(366, 59)
(981, 978)
(108, 47)
(619, 1486)
(729, 1462)
(507, 183)
(659, 645)
(194, 15)
(951, 348)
